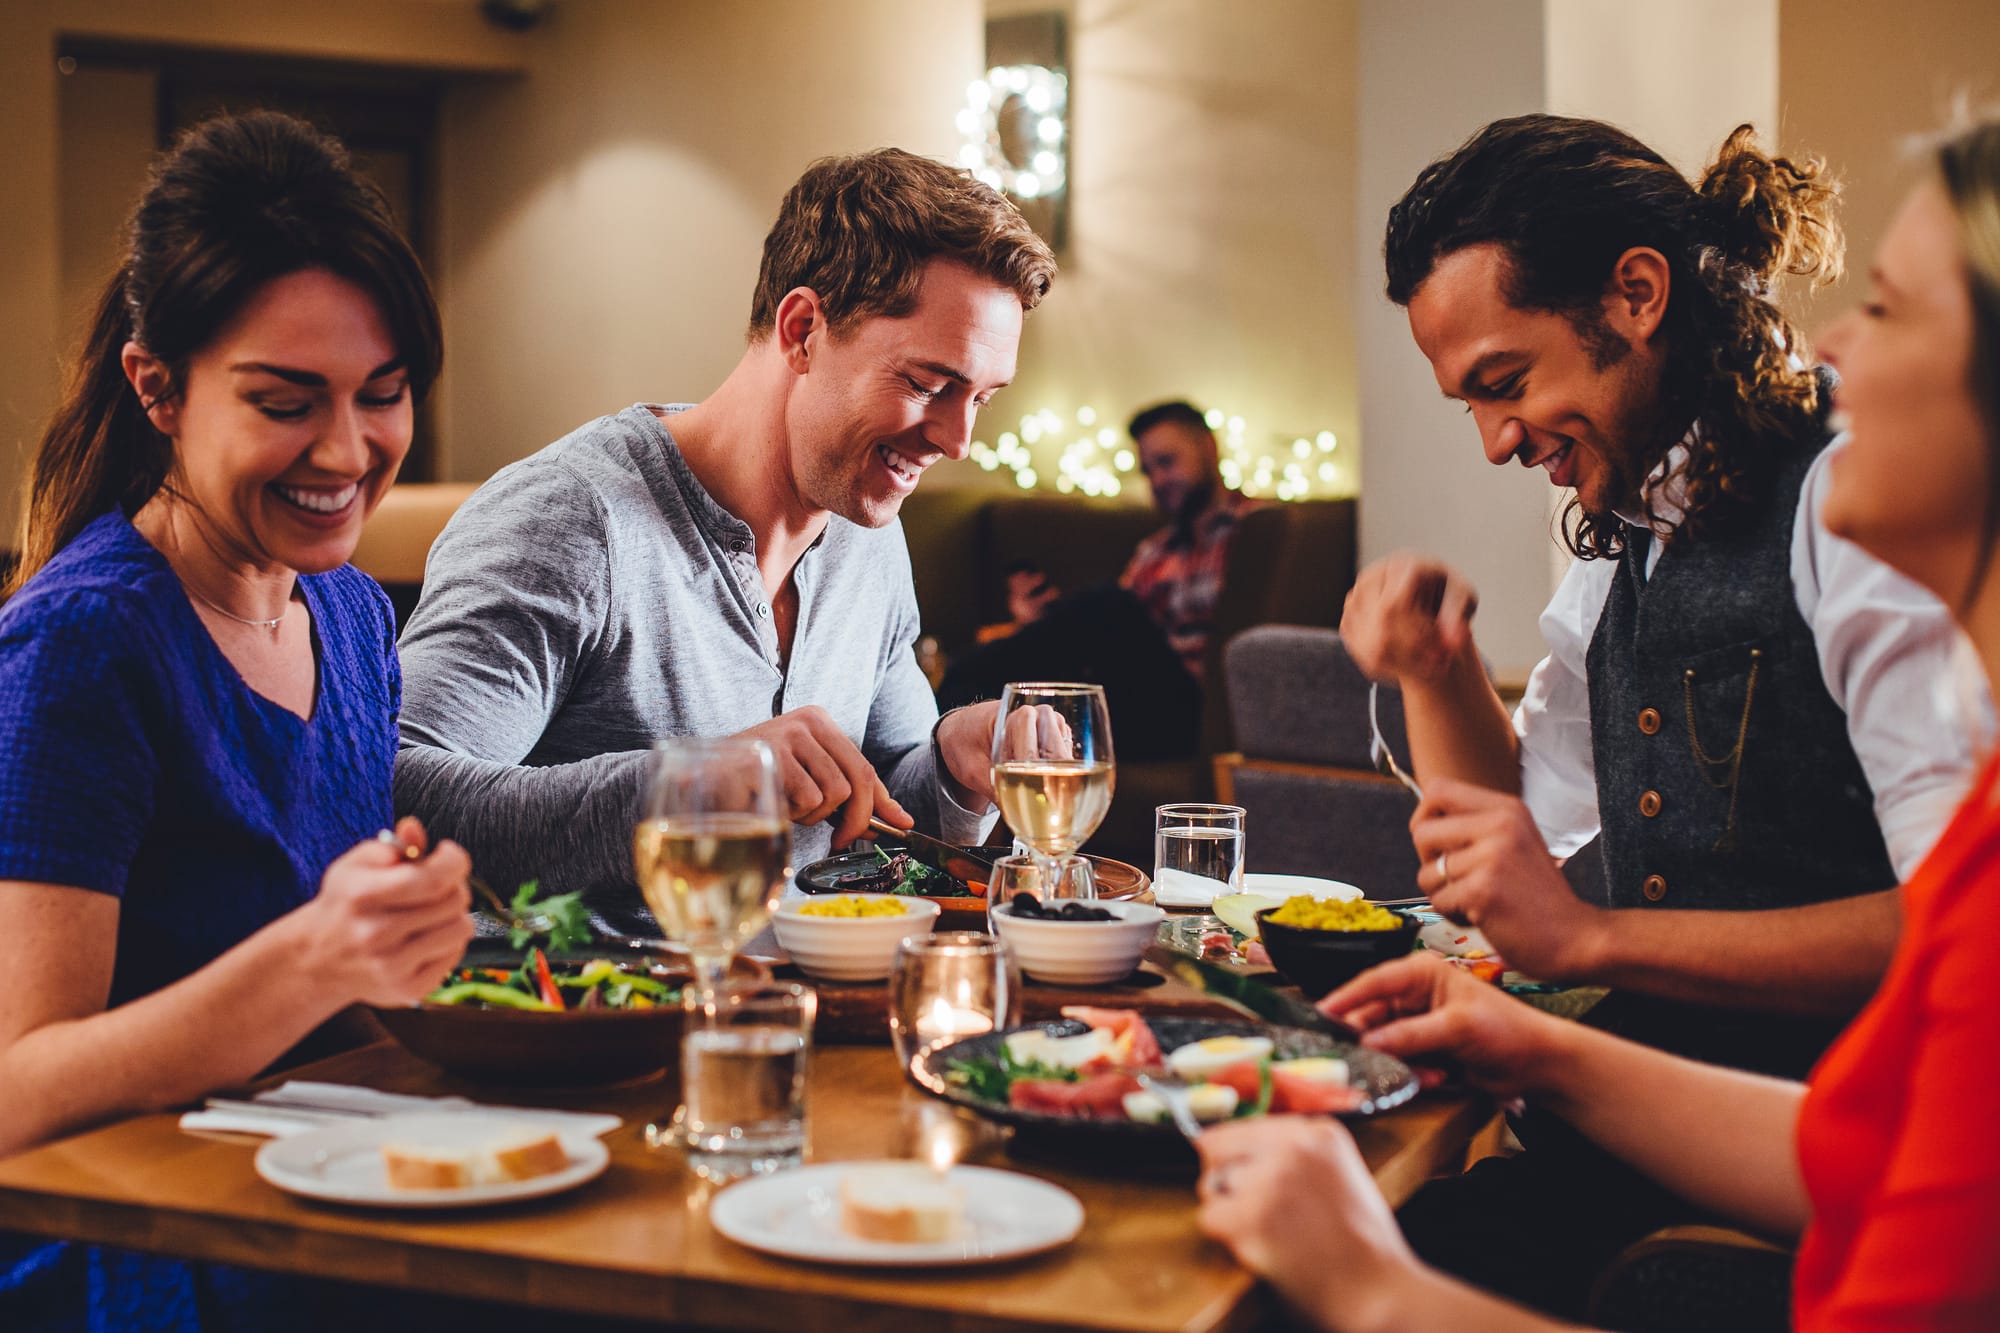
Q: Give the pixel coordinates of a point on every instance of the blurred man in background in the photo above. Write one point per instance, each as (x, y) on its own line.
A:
(1145, 639)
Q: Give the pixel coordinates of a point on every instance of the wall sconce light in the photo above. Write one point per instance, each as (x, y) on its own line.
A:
(1014, 128)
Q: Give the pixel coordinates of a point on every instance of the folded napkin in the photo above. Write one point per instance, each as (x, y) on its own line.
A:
(1178, 888)
(297, 1106)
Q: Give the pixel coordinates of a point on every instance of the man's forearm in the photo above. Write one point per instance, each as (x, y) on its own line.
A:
(568, 825)
(1458, 728)
(1824, 959)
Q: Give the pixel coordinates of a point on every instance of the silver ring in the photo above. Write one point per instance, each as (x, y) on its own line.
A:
(1444, 872)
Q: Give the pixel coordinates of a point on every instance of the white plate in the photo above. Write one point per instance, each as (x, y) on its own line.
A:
(1287, 886)
(1456, 941)
(343, 1163)
(796, 1215)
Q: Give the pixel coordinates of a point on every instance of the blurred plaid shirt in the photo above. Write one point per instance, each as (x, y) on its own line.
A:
(1177, 576)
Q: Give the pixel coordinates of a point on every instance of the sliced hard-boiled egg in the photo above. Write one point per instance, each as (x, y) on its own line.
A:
(1210, 1102)
(1318, 1068)
(1038, 1047)
(1209, 1056)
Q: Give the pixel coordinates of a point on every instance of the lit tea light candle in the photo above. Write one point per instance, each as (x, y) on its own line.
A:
(944, 1022)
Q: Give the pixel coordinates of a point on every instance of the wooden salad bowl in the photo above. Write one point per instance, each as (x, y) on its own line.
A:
(579, 1047)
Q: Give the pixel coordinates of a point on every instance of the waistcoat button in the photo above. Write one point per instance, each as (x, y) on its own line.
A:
(1649, 804)
(1649, 721)
(1654, 887)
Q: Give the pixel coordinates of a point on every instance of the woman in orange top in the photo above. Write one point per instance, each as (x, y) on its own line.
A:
(1887, 1167)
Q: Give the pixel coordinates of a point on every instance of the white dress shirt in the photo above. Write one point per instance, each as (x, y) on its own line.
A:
(1917, 711)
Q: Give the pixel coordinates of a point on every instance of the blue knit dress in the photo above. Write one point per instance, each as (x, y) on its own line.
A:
(135, 761)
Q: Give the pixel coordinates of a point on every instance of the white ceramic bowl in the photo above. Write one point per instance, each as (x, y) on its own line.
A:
(1080, 953)
(849, 948)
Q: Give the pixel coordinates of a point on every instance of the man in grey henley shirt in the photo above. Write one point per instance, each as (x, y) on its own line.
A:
(732, 566)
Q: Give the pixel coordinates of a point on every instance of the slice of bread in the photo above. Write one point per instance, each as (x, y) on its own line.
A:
(904, 1203)
(484, 1156)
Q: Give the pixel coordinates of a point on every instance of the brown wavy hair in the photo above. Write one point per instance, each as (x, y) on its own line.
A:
(238, 202)
(858, 231)
(1565, 197)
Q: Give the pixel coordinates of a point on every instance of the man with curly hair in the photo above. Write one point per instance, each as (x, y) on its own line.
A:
(1743, 709)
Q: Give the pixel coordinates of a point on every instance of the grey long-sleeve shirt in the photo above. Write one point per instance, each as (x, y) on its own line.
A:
(593, 598)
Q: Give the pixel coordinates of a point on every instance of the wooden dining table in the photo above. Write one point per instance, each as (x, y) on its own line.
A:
(636, 1242)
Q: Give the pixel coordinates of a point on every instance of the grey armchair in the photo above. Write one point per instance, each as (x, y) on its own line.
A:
(1298, 710)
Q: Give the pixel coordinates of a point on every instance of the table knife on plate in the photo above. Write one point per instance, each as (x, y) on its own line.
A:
(972, 865)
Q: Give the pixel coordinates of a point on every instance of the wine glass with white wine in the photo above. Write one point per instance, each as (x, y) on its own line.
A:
(1053, 770)
(712, 848)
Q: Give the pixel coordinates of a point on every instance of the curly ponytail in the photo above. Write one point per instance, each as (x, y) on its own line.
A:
(1772, 215)
(1566, 198)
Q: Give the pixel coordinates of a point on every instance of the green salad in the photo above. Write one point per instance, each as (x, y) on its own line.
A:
(539, 986)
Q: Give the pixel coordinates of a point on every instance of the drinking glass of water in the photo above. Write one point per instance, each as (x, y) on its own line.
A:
(743, 1079)
(1197, 853)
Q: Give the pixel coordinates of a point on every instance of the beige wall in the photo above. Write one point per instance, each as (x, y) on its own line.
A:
(1211, 221)
(1860, 78)
(603, 217)
(1431, 72)
(1680, 76)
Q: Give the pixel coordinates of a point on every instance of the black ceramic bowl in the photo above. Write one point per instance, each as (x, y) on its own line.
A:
(1316, 961)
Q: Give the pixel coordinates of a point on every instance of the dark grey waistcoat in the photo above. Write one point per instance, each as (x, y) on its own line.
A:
(1725, 777)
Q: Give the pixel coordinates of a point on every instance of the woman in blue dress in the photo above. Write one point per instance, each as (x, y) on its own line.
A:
(198, 694)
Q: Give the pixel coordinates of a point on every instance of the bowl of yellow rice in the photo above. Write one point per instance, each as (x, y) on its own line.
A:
(850, 936)
(1321, 943)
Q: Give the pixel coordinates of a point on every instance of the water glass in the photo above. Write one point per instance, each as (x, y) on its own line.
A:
(743, 1079)
(947, 986)
(1198, 849)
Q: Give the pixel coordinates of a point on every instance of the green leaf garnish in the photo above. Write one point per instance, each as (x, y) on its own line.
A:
(569, 920)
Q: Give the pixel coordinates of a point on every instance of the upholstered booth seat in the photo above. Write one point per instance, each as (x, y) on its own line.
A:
(397, 538)
(1288, 563)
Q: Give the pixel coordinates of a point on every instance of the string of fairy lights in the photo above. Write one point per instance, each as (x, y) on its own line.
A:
(1075, 454)
(1029, 105)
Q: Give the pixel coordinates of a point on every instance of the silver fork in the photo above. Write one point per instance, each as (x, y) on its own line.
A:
(1379, 751)
(1180, 1105)
(538, 923)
